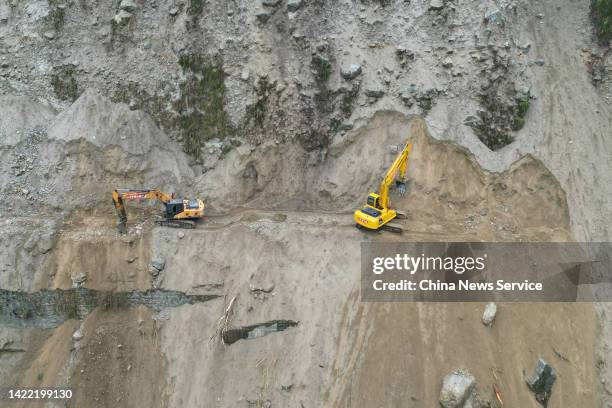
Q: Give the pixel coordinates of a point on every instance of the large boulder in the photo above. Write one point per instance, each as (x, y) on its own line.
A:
(456, 389)
(489, 314)
(542, 380)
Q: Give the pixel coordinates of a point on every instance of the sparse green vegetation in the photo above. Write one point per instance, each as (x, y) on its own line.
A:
(199, 114)
(601, 15)
(256, 113)
(523, 107)
(322, 68)
(157, 104)
(201, 107)
(334, 125)
(195, 7)
(64, 84)
(348, 99)
(57, 15)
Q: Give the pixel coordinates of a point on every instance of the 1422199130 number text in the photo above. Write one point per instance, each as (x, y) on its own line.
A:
(36, 393)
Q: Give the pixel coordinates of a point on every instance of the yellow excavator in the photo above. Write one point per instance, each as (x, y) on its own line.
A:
(179, 212)
(376, 214)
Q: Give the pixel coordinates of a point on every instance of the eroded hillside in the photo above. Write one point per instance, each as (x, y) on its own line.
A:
(282, 116)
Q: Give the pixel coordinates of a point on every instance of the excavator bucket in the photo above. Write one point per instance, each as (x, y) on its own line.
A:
(401, 187)
(122, 222)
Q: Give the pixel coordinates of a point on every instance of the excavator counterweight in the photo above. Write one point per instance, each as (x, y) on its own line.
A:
(179, 213)
(376, 213)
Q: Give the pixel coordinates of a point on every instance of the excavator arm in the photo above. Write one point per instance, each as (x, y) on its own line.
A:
(399, 165)
(122, 195)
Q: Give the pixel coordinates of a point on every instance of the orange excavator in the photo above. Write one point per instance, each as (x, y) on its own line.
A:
(179, 212)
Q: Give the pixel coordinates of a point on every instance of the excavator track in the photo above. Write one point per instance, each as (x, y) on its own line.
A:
(392, 227)
(176, 224)
(401, 215)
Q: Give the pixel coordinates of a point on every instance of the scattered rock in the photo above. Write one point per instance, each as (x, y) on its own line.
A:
(209, 285)
(122, 18)
(542, 380)
(265, 287)
(173, 11)
(493, 15)
(404, 56)
(436, 5)
(270, 3)
(525, 47)
(489, 314)
(131, 259)
(523, 93)
(474, 401)
(471, 121)
(181, 235)
(45, 244)
(447, 63)
(294, 5)
(5, 12)
(78, 278)
(128, 5)
(539, 62)
(375, 93)
(286, 387)
(158, 264)
(456, 389)
(49, 35)
(353, 71)
(263, 15)
(77, 335)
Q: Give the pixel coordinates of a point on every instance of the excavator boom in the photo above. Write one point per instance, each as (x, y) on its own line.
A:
(399, 165)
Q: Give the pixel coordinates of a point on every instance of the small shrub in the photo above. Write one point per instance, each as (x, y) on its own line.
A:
(601, 15)
(64, 84)
(195, 7)
(201, 107)
(322, 68)
(348, 99)
(522, 108)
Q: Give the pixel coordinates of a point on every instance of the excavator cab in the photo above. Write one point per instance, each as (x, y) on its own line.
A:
(174, 207)
(374, 201)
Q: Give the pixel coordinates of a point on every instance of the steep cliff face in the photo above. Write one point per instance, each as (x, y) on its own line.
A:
(282, 115)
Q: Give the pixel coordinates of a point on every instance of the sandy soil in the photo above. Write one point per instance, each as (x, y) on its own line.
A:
(343, 353)
(373, 354)
(89, 246)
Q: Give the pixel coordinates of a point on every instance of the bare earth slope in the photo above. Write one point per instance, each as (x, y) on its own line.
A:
(278, 232)
(303, 266)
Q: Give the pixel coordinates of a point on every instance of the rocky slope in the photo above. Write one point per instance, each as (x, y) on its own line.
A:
(282, 115)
